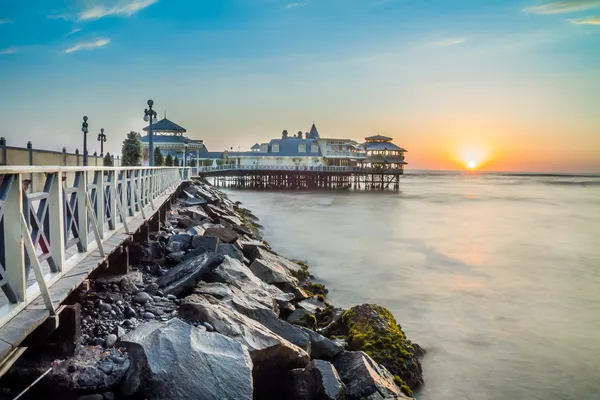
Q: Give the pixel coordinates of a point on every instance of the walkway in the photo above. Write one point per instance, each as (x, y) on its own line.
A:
(63, 232)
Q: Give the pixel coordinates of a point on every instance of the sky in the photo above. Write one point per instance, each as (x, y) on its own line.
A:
(511, 85)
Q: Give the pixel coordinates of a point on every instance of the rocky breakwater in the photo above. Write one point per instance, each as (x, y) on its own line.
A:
(210, 311)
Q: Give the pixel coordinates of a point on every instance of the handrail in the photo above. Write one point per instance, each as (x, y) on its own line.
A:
(74, 209)
(321, 168)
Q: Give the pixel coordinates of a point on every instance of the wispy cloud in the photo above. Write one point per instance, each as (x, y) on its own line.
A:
(72, 32)
(297, 4)
(10, 50)
(562, 7)
(123, 9)
(448, 42)
(64, 17)
(5, 21)
(586, 21)
(88, 45)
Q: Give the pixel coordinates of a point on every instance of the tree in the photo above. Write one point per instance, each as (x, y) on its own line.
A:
(169, 161)
(158, 157)
(176, 162)
(131, 152)
(108, 161)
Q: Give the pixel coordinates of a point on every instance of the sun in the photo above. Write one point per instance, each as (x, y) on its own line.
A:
(472, 164)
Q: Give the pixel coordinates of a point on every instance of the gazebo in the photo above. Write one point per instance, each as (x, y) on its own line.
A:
(382, 153)
(168, 137)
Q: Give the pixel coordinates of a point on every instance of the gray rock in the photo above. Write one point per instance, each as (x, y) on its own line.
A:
(226, 235)
(208, 326)
(141, 298)
(233, 272)
(129, 312)
(176, 256)
(312, 304)
(104, 307)
(363, 377)
(270, 271)
(230, 250)
(319, 380)
(108, 396)
(146, 253)
(128, 282)
(195, 230)
(177, 361)
(148, 315)
(268, 257)
(181, 279)
(110, 340)
(195, 213)
(151, 289)
(193, 202)
(118, 332)
(321, 347)
(207, 243)
(91, 397)
(106, 367)
(302, 317)
(182, 240)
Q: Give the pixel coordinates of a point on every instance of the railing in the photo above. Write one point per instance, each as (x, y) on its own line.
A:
(233, 167)
(75, 212)
(333, 153)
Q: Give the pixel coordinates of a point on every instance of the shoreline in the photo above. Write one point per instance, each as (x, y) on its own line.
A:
(209, 288)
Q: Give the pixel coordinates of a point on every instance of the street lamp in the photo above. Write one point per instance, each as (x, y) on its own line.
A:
(150, 117)
(84, 129)
(101, 139)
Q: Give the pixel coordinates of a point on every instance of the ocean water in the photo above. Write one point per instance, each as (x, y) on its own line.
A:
(497, 276)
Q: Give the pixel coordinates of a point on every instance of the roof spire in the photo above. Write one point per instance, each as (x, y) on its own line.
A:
(165, 113)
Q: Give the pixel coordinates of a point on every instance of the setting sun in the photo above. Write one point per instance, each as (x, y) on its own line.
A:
(472, 164)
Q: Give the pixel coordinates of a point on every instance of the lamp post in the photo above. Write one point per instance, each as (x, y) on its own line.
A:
(101, 139)
(84, 129)
(150, 117)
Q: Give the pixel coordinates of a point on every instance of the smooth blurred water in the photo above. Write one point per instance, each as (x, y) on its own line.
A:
(497, 276)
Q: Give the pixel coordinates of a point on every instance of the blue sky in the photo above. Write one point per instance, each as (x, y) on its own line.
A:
(521, 78)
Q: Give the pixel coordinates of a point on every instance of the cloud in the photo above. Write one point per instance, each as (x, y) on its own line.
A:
(88, 45)
(123, 9)
(72, 32)
(64, 17)
(5, 21)
(293, 5)
(564, 6)
(448, 42)
(586, 21)
(10, 50)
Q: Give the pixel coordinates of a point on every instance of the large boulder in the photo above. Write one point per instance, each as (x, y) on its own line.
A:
(230, 250)
(321, 347)
(147, 253)
(181, 279)
(363, 377)
(226, 235)
(233, 272)
(271, 271)
(177, 361)
(271, 354)
(318, 381)
(374, 330)
(179, 242)
(268, 257)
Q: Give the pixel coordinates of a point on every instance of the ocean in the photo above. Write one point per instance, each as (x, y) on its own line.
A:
(497, 276)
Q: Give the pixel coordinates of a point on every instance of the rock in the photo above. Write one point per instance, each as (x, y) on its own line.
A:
(195, 230)
(193, 202)
(233, 272)
(108, 396)
(141, 298)
(321, 347)
(271, 354)
(177, 361)
(186, 222)
(128, 282)
(146, 253)
(230, 250)
(312, 304)
(268, 257)
(181, 279)
(208, 326)
(370, 323)
(226, 235)
(110, 340)
(302, 317)
(118, 332)
(176, 257)
(206, 243)
(179, 242)
(106, 367)
(129, 312)
(148, 315)
(151, 289)
(363, 377)
(319, 380)
(195, 213)
(104, 307)
(99, 342)
(270, 271)
(91, 397)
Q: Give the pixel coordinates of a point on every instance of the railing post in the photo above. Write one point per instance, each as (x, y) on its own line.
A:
(56, 220)
(14, 258)
(2, 151)
(82, 217)
(112, 204)
(99, 185)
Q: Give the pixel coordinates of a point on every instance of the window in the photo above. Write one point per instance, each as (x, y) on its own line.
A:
(302, 148)
(314, 148)
(263, 147)
(275, 148)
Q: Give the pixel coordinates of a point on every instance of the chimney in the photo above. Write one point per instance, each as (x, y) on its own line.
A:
(284, 134)
(299, 134)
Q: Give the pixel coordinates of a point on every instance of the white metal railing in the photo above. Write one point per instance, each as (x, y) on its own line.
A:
(334, 153)
(74, 213)
(322, 168)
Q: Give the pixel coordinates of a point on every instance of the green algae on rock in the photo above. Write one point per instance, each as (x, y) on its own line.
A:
(373, 329)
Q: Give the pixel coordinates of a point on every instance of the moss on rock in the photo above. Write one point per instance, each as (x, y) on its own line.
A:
(373, 329)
